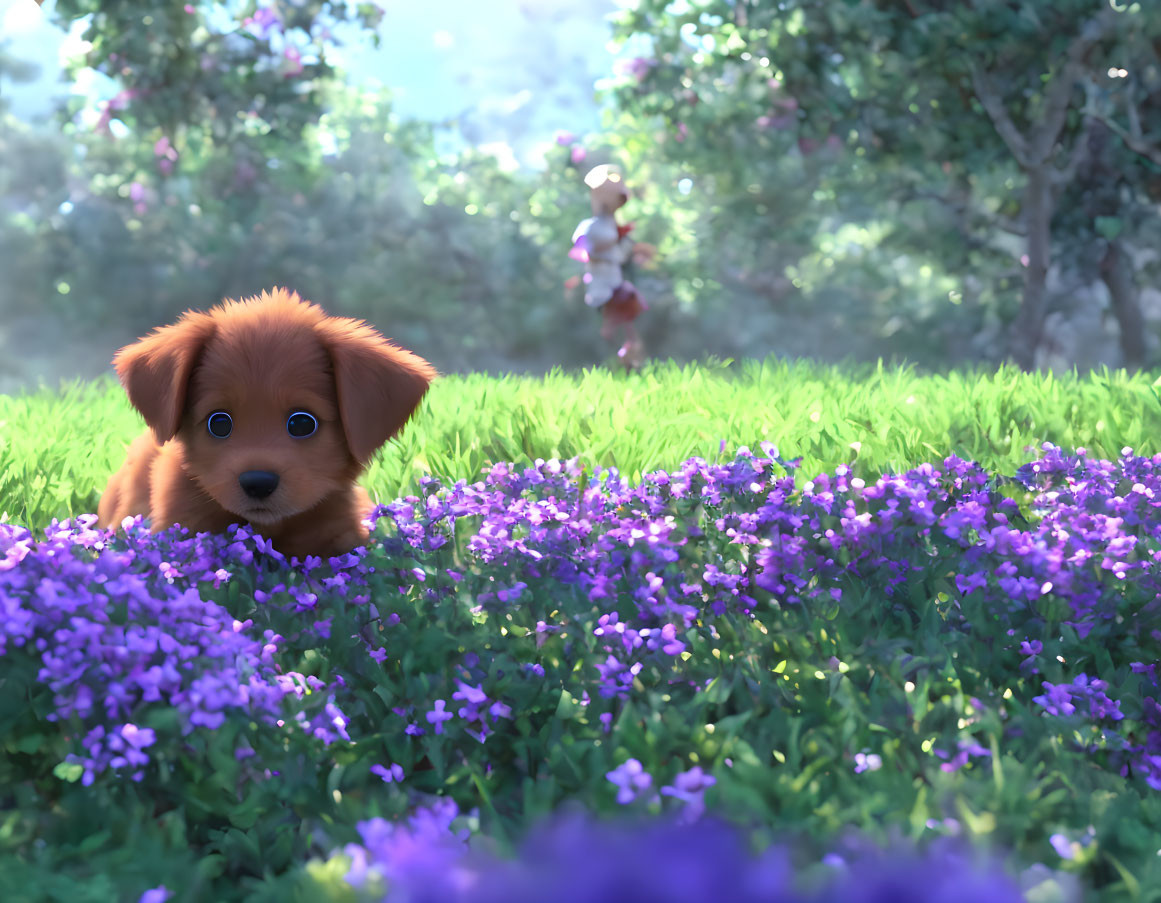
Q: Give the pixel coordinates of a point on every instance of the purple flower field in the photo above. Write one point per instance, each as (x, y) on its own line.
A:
(936, 657)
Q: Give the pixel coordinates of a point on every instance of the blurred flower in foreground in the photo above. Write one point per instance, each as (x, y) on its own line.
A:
(578, 859)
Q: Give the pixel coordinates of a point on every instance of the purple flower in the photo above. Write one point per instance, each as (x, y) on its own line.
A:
(608, 624)
(631, 779)
(472, 695)
(1033, 648)
(389, 773)
(138, 737)
(578, 860)
(865, 761)
(418, 853)
(689, 787)
(1063, 846)
(942, 876)
(437, 716)
(670, 644)
(263, 22)
(1058, 699)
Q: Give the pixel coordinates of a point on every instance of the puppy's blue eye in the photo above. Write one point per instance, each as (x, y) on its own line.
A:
(219, 424)
(300, 424)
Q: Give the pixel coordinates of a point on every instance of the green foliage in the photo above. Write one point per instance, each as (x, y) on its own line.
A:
(869, 113)
(818, 179)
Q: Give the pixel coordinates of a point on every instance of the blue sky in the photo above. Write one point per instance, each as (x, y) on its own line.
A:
(516, 71)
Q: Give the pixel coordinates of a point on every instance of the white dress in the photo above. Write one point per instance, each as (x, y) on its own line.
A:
(606, 252)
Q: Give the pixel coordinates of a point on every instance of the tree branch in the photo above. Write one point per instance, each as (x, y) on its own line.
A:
(1034, 150)
(967, 211)
(1064, 175)
(1135, 143)
(1059, 96)
(1133, 138)
(993, 105)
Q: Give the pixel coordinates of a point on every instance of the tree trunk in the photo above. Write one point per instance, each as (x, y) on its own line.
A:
(1117, 274)
(1028, 326)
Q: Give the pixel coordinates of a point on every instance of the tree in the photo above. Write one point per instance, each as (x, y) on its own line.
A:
(1118, 185)
(221, 167)
(215, 106)
(891, 83)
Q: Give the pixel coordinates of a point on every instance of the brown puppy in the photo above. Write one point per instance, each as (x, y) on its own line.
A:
(262, 411)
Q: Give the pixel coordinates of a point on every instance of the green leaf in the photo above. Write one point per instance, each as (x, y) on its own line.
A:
(69, 771)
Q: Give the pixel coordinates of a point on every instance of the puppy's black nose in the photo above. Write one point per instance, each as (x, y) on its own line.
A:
(258, 483)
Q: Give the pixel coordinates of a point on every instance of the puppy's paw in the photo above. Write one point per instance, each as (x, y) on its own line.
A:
(350, 540)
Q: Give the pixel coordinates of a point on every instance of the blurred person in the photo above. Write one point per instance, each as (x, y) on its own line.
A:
(604, 247)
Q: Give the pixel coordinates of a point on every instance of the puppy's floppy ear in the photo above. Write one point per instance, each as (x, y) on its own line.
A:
(379, 385)
(156, 370)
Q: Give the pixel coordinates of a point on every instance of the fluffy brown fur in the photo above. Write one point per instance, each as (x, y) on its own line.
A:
(261, 360)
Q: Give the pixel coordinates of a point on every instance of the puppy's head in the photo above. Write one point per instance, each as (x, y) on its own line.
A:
(275, 404)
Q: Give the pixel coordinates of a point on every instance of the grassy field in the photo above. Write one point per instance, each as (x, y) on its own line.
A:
(57, 448)
(837, 609)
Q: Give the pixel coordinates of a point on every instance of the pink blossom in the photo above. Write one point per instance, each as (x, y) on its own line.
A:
(189, 8)
(122, 99)
(578, 155)
(564, 139)
(638, 67)
(119, 102)
(682, 131)
(166, 155)
(263, 22)
(292, 62)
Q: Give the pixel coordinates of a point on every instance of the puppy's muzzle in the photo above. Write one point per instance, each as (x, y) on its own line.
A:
(258, 484)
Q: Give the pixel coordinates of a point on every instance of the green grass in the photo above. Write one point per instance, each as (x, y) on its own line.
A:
(57, 448)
